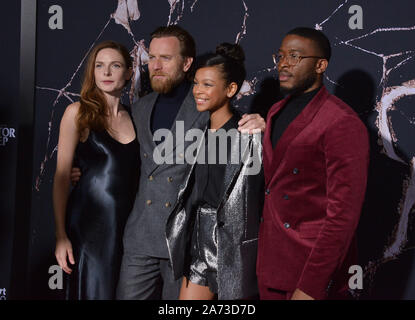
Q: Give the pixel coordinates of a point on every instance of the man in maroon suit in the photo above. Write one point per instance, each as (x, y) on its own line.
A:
(315, 160)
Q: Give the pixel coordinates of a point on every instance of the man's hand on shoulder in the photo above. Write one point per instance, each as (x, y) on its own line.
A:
(251, 123)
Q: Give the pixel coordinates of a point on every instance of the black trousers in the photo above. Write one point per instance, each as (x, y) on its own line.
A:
(147, 278)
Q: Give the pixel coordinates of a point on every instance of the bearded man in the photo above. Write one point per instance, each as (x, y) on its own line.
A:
(315, 157)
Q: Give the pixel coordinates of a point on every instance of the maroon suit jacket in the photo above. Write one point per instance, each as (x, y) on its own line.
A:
(315, 181)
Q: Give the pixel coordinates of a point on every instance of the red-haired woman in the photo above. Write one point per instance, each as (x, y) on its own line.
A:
(99, 134)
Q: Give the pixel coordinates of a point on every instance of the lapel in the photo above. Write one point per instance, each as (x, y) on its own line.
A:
(267, 150)
(187, 116)
(273, 157)
(183, 187)
(146, 121)
(232, 169)
(184, 121)
(145, 137)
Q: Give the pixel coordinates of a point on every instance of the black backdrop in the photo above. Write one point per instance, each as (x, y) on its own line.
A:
(9, 88)
(372, 69)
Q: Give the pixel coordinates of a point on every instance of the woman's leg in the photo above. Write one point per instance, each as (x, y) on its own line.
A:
(192, 291)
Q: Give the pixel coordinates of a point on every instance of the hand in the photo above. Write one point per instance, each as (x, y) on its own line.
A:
(75, 175)
(62, 252)
(300, 295)
(251, 123)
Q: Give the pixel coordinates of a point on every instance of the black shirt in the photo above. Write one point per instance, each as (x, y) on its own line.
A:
(209, 177)
(289, 112)
(167, 106)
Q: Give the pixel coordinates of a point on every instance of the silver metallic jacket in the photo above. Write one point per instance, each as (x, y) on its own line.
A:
(238, 218)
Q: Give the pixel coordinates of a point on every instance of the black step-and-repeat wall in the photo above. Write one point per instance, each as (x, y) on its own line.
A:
(372, 69)
(9, 88)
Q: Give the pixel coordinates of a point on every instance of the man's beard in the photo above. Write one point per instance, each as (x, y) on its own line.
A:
(165, 85)
(301, 86)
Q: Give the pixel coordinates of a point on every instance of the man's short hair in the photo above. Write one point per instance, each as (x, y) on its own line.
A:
(187, 43)
(319, 38)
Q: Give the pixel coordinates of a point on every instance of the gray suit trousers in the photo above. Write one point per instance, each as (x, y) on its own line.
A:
(147, 278)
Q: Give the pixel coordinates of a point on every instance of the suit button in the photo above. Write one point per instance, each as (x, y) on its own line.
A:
(287, 225)
(149, 202)
(329, 285)
(221, 224)
(150, 178)
(295, 171)
(169, 179)
(267, 192)
(168, 204)
(286, 197)
(145, 155)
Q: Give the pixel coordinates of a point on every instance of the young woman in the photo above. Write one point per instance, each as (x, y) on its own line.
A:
(96, 132)
(212, 231)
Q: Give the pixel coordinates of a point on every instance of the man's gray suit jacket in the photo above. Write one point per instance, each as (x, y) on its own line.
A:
(145, 231)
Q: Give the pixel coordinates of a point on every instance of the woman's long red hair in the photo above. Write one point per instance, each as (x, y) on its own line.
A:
(93, 110)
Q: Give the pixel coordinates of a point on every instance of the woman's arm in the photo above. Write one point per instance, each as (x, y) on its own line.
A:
(68, 140)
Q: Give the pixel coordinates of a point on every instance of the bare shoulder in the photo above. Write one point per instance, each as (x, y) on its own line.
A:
(73, 108)
(70, 115)
(71, 111)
